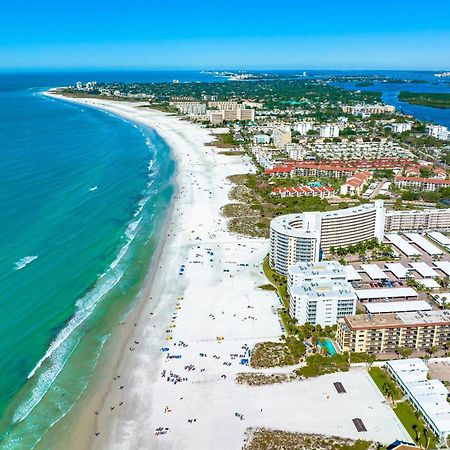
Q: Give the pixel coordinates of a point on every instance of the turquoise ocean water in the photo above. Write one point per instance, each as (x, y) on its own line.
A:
(83, 199)
(83, 196)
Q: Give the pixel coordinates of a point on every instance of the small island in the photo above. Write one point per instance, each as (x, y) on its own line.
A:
(441, 100)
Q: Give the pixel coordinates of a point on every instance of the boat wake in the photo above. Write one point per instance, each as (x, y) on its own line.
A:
(18, 265)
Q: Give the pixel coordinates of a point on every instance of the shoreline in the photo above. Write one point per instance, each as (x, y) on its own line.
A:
(203, 305)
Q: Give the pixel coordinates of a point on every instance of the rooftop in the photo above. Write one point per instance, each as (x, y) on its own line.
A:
(367, 321)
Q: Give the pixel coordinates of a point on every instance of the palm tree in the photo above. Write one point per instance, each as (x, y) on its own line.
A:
(415, 429)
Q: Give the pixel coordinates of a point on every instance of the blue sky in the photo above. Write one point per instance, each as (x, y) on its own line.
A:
(166, 34)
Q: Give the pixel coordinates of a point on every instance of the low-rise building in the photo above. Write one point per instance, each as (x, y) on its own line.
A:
(421, 184)
(355, 184)
(368, 109)
(261, 139)
(429, 396)
(304, 191)
(417, 220)
(386, 332)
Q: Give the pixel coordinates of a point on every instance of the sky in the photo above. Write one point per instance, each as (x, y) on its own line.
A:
(244, 34)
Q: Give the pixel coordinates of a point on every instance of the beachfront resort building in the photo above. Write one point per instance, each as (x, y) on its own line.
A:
(319, 293)
(427, 395)
(308, 236)
(386, 332)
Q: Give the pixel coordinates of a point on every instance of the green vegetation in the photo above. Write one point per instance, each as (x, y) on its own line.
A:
(263, 439)
(441, 100)
(414, 425)
(256, 206)
(426, 196)
(318, 364)
(232, 153)
(385, 383)
(403, 409)
(267, 287)
(371, 248)
(223, 140)
(274, 93)
(277, 354)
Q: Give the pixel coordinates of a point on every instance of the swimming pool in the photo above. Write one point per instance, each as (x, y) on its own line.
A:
(326, 343)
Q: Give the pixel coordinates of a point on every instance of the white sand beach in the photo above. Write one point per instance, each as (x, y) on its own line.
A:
(180, 393)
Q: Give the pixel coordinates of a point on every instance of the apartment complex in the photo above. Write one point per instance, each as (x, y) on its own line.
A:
(400, 127)
(329, 131)
(190, 108)
(421, 184)
(303, 127)
(308, 236)
(281, 136)
(438, 131)
(368, 109)
(304, 191)
(416, 220)
(320, 293)
(347, 150)
(386, 332)
(356, 183)
(220, 112)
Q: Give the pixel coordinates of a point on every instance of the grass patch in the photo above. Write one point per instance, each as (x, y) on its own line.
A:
(231, 153)
(385, 383)
(318, 364)
(406, 413)
(223, 140)
(267, 287)
(414, 425)
(263, 439)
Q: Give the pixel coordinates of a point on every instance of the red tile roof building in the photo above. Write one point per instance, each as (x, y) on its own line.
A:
(304, 191)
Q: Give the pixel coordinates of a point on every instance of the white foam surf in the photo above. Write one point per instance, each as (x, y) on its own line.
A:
(21, 263)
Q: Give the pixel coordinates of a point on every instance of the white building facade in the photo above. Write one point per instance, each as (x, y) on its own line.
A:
(308, 236)
(320, 293)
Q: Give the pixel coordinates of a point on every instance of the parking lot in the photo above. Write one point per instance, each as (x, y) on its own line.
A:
(419, 266)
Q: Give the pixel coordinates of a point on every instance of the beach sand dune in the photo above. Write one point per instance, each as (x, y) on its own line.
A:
(173, 385)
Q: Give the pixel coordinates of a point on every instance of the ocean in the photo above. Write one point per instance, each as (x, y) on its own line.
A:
(83, 200)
